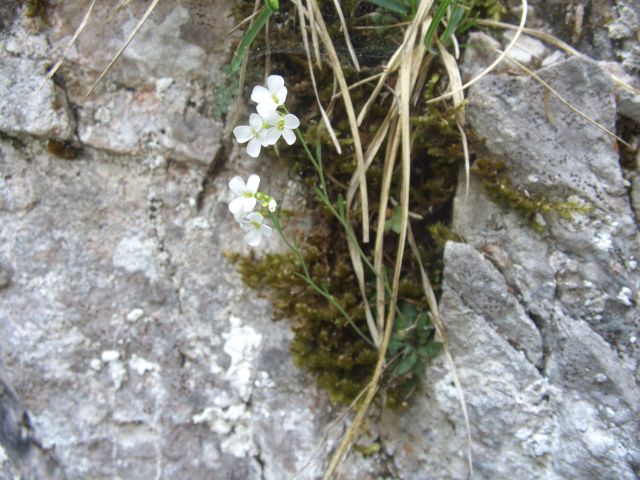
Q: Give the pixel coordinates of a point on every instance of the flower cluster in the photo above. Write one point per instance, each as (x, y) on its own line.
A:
(265, 128)
(272, 120)
(247, 197)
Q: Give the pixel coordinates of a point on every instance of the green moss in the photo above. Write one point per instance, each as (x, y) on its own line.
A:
(499, 188)
(494, 9)
(323, 343)
(36, 9)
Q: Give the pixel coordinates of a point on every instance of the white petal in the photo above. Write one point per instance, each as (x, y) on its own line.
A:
(291, 121)
(253, 237)
(237, 186)
(273, 205)
(289, 136)
(266, 229)
(272, 117)
(253, 183)
(263, 137)
(236, 205)
(265, 108)
(255, 217)
(273, 135)
(255, 121)
(275, 83)
(282, 95)
(261, 95)
(243, 133)
(248, 203)
(253, 147)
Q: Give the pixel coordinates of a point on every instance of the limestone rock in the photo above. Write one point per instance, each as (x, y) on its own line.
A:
(578, 281)
(30, 104)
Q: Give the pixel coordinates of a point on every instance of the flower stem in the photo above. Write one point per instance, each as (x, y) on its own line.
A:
(307, 278)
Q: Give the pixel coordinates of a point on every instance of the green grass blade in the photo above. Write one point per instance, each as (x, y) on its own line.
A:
(442, 9)
(249, 37)
(452, 26)
(392, 5)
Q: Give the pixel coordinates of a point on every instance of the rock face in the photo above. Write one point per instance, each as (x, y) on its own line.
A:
(129, 348)
(543, 325)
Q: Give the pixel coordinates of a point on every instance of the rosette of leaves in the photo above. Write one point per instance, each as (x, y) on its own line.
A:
(411, 346)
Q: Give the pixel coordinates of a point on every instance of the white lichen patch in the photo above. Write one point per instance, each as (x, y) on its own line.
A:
(142, 366)
(135, 315)
(3, 455)
(136, 254)
(231, 421)
(118, 373)
(625, 296)
(241, 343)
(109, 356)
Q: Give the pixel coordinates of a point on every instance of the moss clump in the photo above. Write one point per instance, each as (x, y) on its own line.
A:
(35, 9)
(494, 9)
(324, 343)
(496, 182)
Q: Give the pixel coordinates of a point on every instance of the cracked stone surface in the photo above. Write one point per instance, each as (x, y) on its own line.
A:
(551, 375)
(129, 348)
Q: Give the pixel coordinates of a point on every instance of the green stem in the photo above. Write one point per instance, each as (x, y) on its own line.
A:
(307, 278)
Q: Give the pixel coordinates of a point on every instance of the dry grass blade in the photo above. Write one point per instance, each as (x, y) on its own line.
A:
(248, 19)
(330, 427)
(81, 27)
(124, 46)
(323, 113)
(357, 84)
(389, 164)
(335, 63)
(233, 118)
(455, 83)
(352, 52)
(405, 98)
(390, 67)
(556, 42)
(439, 325)
(267, 56)
(314, 36)
(372, 150)
(566, 102)
(533, 32)
(523, 20)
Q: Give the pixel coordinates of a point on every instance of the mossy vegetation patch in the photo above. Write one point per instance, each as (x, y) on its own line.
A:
(324, 343)
(500, 190)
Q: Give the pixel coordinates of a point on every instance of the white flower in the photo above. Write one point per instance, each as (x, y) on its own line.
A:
(252, 133)
(245, 194)
(273, 205)
(268, 99)
(254, 225)
(281, 126)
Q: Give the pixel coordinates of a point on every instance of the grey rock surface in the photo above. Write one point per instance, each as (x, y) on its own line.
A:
(126, 334)
(30, 104)
(130, 348)
(576, 414)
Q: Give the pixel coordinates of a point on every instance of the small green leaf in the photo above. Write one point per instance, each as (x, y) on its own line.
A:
(452, 26)
(249, 37)
(406, 364)
(368, 450)
(392, 5)
(274, 5)
(431, 31)
(431, 349)
(395, 222)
